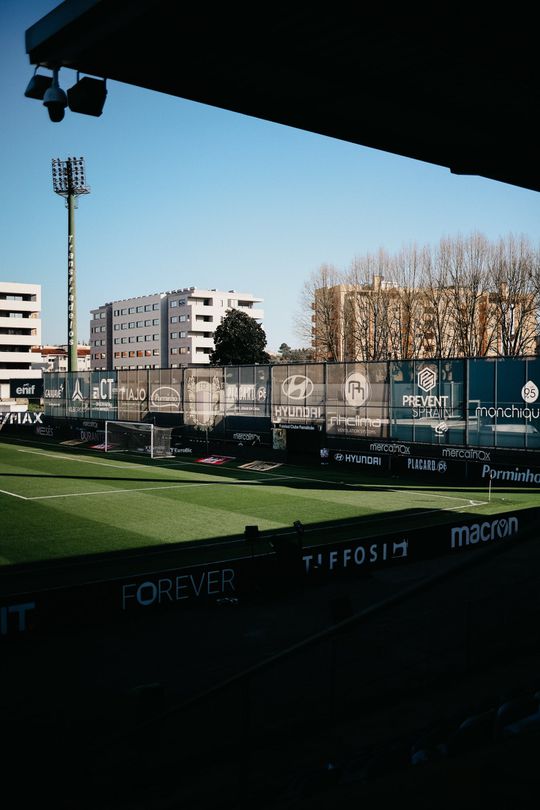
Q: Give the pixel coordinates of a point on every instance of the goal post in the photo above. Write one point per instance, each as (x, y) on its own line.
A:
(137, 437)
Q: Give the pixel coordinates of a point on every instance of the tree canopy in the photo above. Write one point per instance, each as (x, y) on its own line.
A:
(239, 339)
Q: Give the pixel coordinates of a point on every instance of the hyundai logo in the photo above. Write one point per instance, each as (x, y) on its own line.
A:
(297, 387)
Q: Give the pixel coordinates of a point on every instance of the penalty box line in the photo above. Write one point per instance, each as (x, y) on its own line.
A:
(136, 489)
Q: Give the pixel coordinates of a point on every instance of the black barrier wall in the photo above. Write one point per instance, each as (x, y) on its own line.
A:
(289, 566)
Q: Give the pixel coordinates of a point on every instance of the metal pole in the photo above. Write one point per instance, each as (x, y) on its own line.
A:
(72, 290)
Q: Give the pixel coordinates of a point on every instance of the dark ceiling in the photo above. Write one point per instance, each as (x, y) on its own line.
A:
(455, 92)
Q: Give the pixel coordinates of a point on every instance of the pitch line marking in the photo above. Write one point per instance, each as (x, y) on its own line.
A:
(14, 495)
(187, 463)
(135, 489)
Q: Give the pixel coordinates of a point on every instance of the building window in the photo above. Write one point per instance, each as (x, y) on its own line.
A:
(156, 306)
(182, 318)
(116, 327)
(140, 324)
(140, 338)
(132, 338)
(131, 310)
(155, 322)
(148, 323)
(174, 319)
(155, 337)
(155, 352)
(140, 309)
(132, 324)
(132, 354)
(174, 335)
(123, 311)
(147, 353)
(174, 351)
(183, 334)
(148, 307)
(174, 303)
(181, 302)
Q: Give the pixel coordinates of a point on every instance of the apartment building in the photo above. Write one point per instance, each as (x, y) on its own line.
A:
(164, 330)
(20, 331)
(382, 320)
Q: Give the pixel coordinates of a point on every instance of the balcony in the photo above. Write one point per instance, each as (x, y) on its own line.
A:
(17, 358)
(21, 340)
(19, 323)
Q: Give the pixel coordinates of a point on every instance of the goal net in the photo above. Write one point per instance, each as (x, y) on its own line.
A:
(138, 437)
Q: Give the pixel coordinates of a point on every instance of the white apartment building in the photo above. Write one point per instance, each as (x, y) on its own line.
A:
(20, 331)
(164, 330)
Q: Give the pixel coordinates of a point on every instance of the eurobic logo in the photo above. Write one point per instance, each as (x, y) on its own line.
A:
(529, 394)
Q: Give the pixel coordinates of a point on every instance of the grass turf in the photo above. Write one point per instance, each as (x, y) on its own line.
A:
(64, 502)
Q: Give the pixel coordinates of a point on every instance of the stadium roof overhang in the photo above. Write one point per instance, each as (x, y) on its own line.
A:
(455, 92)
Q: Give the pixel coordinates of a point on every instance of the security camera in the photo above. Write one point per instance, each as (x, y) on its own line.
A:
(55, 100)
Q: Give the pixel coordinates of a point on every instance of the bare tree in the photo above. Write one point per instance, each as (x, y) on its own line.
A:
(370, 301)
(515, 296)
(439, 334)
(321, 321)
(466, 298)
(472, 319)
(407, 309)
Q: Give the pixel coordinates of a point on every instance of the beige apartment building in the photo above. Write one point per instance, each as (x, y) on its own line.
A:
(382, 320)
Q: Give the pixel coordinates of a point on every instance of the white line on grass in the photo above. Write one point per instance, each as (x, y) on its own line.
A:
(79, 460)
(13, 494)
(139, 489)
(124, 464)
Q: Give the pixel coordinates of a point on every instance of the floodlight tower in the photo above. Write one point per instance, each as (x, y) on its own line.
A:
(70, 182)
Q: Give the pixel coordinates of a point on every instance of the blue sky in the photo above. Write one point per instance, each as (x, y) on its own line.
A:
(186, 195)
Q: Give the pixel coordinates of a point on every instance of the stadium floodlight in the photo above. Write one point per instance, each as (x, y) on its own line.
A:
(69, 181)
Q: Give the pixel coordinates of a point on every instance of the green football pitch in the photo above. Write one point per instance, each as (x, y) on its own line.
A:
(63, 502)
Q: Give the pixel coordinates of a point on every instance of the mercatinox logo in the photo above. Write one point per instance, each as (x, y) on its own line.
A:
(426, 378)
(356, 389)
(297, 387)
(488, 530)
